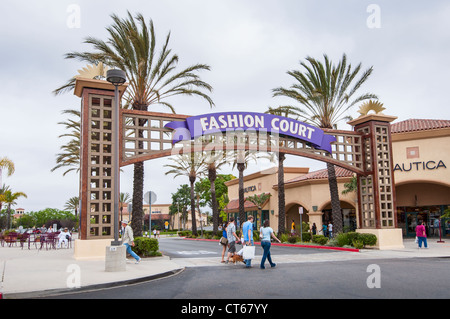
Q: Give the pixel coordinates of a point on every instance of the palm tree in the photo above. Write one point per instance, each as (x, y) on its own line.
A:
(191, 165)
(152, 78)
(70, 155)
(2, 191)
(10, 198)
(259, 201)
(124, 198)
(241, 159)
(351, 186)
(324, 91)
(72, 204)
(6, 163)
(213, 162)
(285, 111)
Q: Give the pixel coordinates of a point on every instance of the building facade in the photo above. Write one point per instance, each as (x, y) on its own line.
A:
(161, 217)
(421, 149)
(422, 185)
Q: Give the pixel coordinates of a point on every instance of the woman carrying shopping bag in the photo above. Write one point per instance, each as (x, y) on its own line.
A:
(265, 233)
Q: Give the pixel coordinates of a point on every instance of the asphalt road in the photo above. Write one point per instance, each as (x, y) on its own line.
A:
(181, 248)
(411, 278)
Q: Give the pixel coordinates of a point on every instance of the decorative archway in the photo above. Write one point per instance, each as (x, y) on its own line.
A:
(366, 151)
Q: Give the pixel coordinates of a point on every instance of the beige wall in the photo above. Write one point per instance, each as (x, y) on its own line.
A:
(307, 193)
(423, 149)
(420, 176)
(175, 219)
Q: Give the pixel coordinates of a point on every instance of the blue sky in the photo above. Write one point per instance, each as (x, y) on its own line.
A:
(250, 45)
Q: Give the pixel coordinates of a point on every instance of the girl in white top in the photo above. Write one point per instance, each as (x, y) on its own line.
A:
(265, 233)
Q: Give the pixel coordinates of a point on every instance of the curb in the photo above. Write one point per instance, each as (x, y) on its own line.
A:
(63, 291)
(288, 245)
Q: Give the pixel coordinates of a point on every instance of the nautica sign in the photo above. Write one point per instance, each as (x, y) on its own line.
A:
(200, 125)
(416, 166)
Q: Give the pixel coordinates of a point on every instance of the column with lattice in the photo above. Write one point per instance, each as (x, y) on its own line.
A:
(96, 159)
(376, 188)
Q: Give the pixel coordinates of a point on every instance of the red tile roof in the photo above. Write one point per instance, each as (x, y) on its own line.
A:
(321, 174)
(412, 125)
(248, 205)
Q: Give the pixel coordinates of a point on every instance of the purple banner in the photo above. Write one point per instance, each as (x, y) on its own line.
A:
(200, 125)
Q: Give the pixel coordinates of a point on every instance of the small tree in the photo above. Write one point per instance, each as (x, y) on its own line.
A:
(259, 201)
(10, 198)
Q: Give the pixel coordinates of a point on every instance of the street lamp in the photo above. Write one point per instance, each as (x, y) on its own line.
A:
(116, 78)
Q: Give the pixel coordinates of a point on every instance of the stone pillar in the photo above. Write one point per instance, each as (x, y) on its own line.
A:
(315, 217)
(376, 189)
(115, 258)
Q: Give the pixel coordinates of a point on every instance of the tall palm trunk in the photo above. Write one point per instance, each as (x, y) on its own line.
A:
(326, 92)
(241, 167)
(137, 219)
(281, 195)
(335, 203)
(8, 218)
(194, 221)
(212, 175)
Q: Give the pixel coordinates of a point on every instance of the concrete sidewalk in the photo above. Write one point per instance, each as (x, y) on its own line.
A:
(32, 273)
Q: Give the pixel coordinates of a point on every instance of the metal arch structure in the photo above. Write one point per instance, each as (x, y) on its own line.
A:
(144, 137)
(366, 151)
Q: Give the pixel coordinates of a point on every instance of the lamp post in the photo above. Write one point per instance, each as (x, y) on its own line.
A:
(116, 78)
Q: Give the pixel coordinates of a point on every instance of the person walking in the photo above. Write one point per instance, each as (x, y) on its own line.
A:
(231, 236)
(421, 234)
(224, 240)
(330, 230)
(127, 239)
(265, 233)
(314, 229)
(324, 229)
(247, 229)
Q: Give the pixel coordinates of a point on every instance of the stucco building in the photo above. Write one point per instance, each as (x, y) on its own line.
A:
(421, 174)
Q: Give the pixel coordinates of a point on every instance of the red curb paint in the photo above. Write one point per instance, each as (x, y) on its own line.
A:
(289, 245)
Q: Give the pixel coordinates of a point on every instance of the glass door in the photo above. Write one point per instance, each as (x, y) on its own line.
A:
(412, 219)
(411, 223)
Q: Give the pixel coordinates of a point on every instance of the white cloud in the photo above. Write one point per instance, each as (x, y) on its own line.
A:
(248, 44)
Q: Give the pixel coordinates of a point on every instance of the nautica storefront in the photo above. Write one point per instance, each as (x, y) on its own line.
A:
(421, 149)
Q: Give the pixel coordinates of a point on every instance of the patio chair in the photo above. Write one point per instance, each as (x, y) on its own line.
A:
(24, 238)
(50, 240)
(40, 241)
(11, 238)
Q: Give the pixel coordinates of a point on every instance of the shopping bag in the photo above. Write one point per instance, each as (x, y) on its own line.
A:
(249, 252)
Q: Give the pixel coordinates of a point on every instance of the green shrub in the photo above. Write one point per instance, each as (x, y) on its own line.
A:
(284, 237)
(256, 235)
(358, 244)
(332, 242)
(293, 239)
(306, 237)
(320, 239)
(355, 239)
(184, 233)
(145, 247)
(342, 239)
(368, 239)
